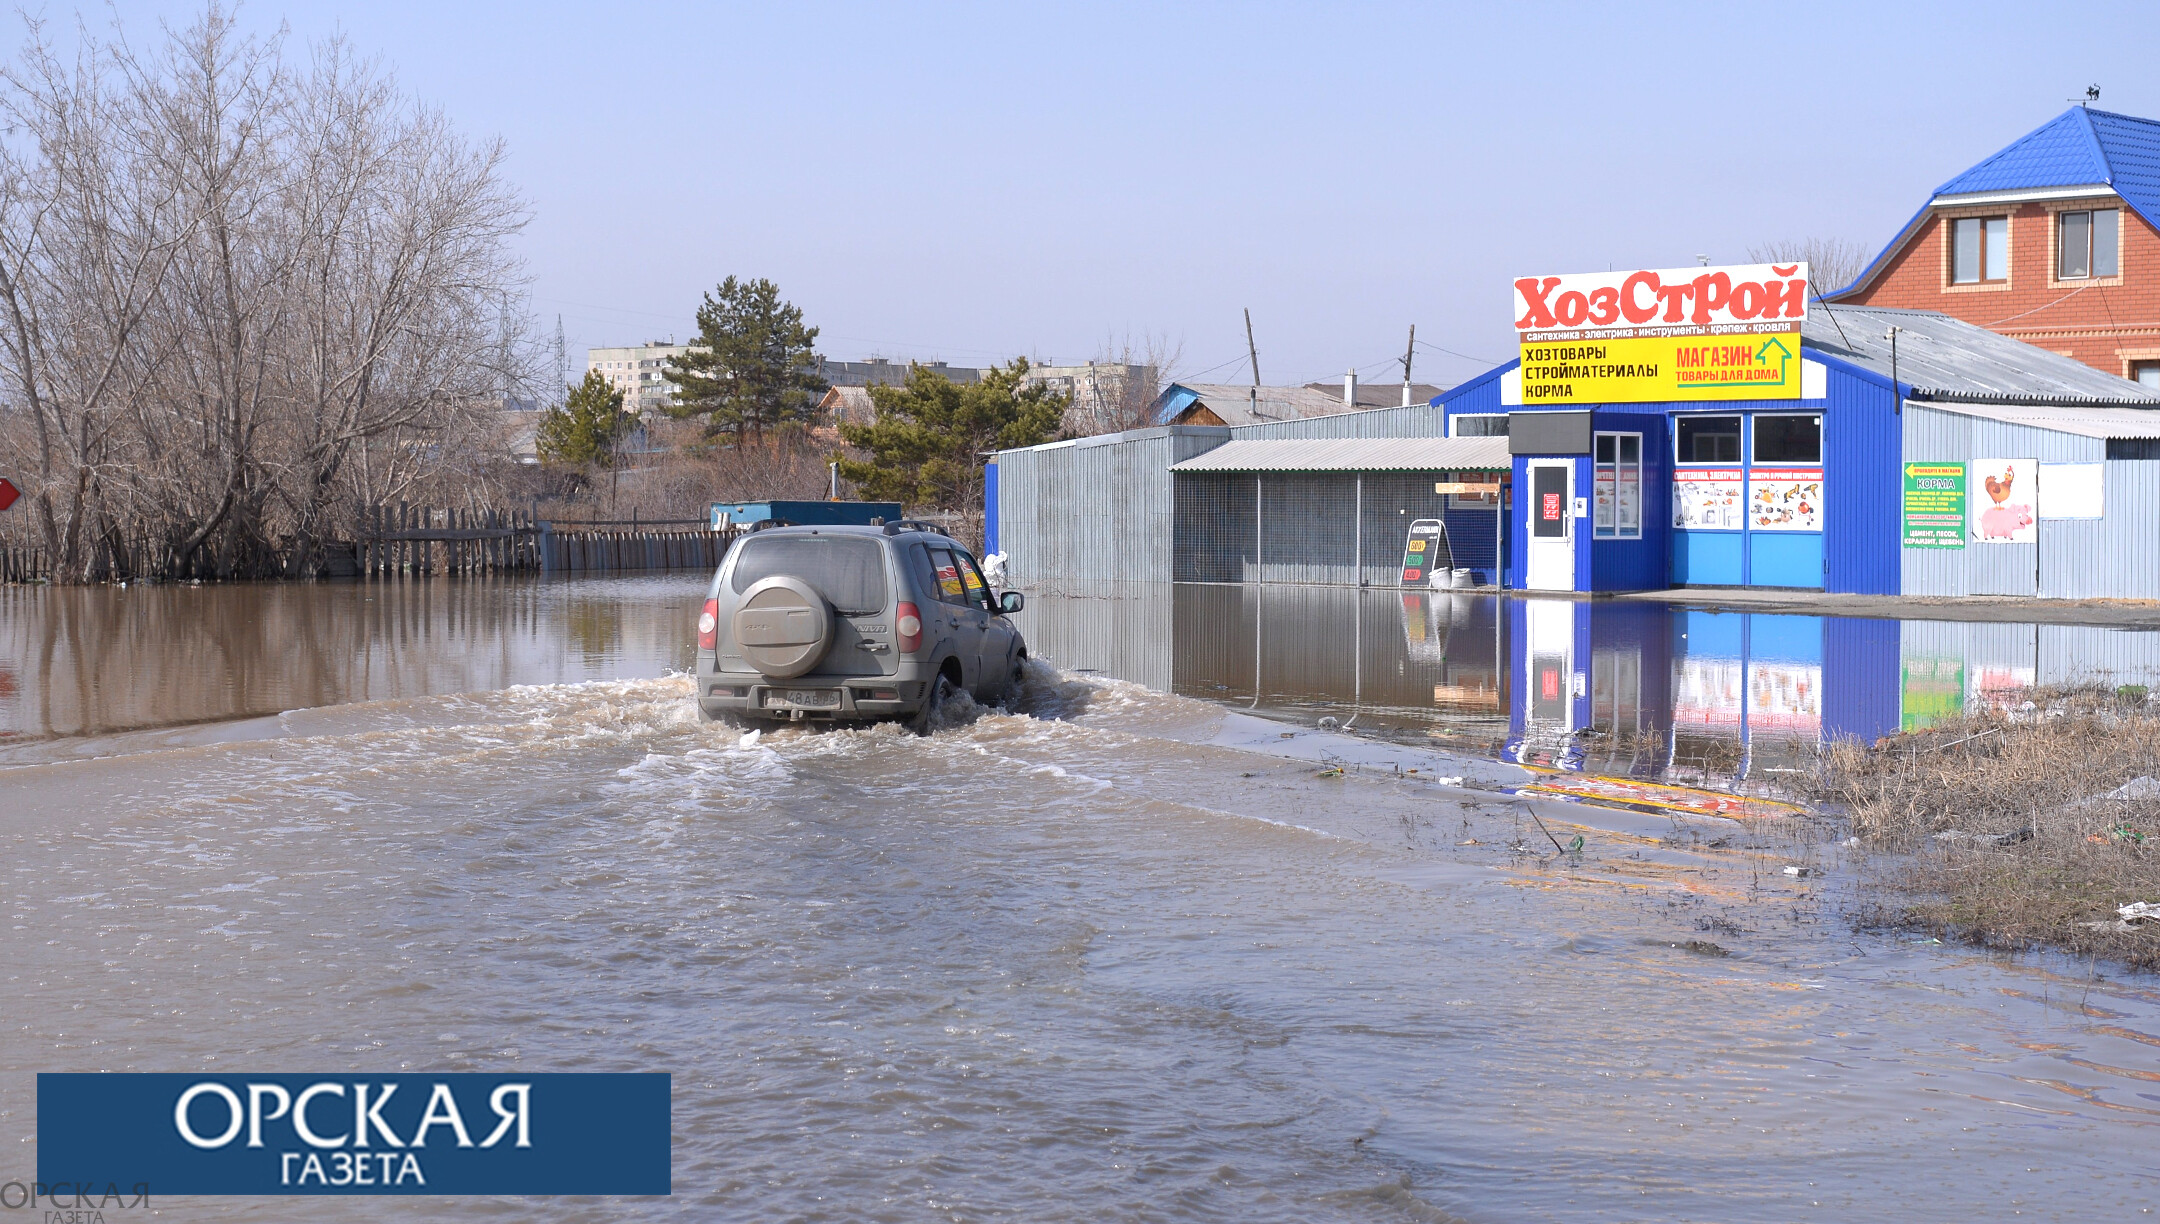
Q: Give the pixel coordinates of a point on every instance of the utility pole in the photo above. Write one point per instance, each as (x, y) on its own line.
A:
(1253, 349)
(1408, 354)
(562, 361)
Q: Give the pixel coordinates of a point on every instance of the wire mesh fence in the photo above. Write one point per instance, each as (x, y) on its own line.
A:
(1334, 528)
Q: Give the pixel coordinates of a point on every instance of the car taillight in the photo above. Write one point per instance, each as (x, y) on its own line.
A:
(708, 626)
(910, 628)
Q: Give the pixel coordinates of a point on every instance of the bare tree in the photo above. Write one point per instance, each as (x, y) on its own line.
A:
(242, 299)
(1833, 263)
(1128, 375)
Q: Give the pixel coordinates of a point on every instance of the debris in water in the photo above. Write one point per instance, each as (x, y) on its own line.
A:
(749, 738)
(1702, 947)
(1330, 723)
(1454, 781)
(1333, 771)
(1575, 847)
(1799, 871)
(2131, 917)
(1472, 842)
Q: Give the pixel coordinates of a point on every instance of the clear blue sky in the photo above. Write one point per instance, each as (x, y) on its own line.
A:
(972, 182)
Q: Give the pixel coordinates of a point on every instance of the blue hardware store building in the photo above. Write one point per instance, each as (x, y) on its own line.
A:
(1807, 493)
(1811, 493)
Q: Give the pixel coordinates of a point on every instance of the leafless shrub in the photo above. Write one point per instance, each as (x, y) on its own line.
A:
(1833, 263)
(2013, 827)
(1132, 373)
(241, 299)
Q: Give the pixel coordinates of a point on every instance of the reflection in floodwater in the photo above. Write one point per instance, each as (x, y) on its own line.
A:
(95, 661)
(1649, 690)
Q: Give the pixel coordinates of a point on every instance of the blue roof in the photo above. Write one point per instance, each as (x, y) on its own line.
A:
(2081, 146)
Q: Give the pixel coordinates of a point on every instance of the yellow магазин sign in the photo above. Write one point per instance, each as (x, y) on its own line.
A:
(1659, 369)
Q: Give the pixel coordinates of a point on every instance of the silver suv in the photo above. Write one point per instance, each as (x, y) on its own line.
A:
(852, 623)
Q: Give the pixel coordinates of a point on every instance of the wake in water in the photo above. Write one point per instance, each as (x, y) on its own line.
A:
(1076, 959)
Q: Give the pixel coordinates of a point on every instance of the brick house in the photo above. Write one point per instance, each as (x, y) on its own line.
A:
(2052, 241)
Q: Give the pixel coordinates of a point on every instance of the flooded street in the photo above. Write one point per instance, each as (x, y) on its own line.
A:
(1155, 944)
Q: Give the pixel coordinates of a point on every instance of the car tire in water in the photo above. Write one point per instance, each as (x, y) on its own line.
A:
(940, 690)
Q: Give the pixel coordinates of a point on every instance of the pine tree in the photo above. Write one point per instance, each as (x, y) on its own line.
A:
(926, 446)
(587, 427)
(750, 368)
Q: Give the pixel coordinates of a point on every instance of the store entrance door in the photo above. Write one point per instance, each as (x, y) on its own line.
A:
(1551, 563)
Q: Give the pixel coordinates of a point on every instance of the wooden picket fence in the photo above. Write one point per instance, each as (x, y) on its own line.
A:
(404, 539)
(420, 541)
(602, 552)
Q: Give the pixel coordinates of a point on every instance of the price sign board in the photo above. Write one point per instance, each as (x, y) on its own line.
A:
(1424, 551)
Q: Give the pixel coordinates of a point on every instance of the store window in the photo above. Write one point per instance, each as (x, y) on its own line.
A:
(2088, 244)
(1617, 482)
(1979, 250)
(1707, 439)
(1479, 425)
(1788, 439)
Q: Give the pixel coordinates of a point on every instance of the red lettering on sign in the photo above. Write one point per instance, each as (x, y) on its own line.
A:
(1534, 291)
(1711, 290)
(1747, 300)
(1791, 296)
(1636, 311)
(1675, 298)
(1550, 508)
(1572, 308)
(1605, 306)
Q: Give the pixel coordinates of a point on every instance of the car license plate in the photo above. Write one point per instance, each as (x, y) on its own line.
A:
(822, 699)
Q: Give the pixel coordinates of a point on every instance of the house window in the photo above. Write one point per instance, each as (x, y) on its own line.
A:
(1479, 425)
(1979, 250)
(1788, 439)
(2146, 374)
(1617, 482)
(2088, 244)
(1707, 439)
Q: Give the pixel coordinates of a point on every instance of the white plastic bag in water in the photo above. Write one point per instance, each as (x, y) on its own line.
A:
(994, 569)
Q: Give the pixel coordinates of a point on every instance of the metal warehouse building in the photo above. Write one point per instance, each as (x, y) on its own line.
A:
(1948, 460)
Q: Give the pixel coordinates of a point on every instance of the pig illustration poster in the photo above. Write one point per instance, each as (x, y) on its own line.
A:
(2000, 496)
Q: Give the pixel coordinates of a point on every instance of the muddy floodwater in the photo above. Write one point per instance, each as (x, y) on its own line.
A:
(1243, 912)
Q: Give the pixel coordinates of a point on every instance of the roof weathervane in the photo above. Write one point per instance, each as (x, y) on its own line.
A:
(2092, 95)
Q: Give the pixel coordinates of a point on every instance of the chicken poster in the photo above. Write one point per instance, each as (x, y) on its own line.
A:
(1785, 499)
(2001, 495)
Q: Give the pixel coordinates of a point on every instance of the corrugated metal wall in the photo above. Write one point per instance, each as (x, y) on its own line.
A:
(2116, 556)
(1095, 514)
(1325, 528)
(1862, 483)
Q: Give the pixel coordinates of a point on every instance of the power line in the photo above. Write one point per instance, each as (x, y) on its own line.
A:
(1452, 353)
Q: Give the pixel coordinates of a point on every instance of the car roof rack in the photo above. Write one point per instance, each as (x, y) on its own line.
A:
(899, 525)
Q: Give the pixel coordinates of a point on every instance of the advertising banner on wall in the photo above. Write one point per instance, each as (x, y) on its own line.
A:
(1656, 335)
(2000, 497)
(1708, 499)
(1785, 499)
(2073, 490)
(1934, 505)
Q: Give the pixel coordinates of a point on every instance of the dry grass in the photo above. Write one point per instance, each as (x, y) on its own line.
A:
(1996, 827)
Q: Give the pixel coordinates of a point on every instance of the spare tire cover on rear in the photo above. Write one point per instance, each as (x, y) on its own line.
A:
(782, 627)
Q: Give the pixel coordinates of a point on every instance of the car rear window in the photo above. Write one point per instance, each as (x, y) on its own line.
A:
(849, 573)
